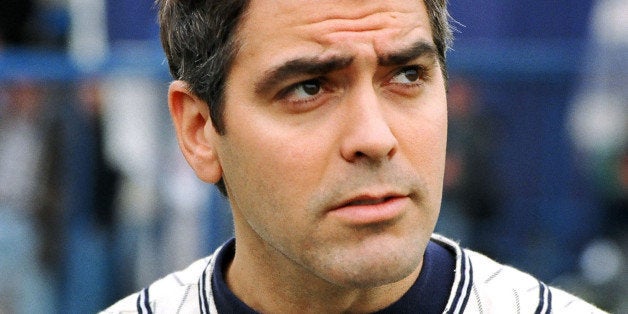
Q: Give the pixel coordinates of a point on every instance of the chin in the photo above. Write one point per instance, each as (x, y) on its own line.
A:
(379, 275)
(368, 267)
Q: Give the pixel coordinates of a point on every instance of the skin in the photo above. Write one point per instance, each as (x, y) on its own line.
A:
(333, 155)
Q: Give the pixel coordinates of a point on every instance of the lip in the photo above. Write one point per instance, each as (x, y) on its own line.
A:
(367, 209)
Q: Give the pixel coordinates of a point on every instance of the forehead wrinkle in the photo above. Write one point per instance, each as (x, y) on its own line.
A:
(363, 15)
(382, 27)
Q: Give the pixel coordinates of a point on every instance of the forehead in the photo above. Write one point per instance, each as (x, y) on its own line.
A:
(272, 30)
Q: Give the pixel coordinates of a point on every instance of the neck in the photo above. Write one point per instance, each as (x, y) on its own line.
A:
(269, 282)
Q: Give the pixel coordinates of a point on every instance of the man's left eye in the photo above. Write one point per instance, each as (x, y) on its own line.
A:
(407, 75)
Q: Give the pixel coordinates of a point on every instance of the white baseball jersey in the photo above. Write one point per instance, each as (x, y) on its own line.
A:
(480, 285)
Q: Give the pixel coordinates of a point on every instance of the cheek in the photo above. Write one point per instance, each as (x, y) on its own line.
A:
(266, 157)
(424, 144)
(273, 175)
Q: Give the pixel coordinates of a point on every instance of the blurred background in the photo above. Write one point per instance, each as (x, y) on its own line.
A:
(96, 200)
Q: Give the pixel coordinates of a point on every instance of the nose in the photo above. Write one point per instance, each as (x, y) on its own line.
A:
(367, 134)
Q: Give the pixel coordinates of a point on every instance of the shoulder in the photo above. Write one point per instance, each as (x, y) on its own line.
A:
(483, 285)
(499, 286)
(173, 293)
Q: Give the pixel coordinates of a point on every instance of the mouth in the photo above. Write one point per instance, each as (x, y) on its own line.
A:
(368, 209)
(368, 201)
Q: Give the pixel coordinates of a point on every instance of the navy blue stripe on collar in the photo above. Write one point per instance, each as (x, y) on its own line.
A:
(143, 304)
(203, 303)
(549, 299)
(545, 300)
(465, 283)
(469, 282)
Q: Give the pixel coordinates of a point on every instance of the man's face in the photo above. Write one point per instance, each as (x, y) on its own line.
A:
(334, 149)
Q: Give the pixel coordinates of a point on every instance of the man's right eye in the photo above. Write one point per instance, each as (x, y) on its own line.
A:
(303, 91)
(310, 88)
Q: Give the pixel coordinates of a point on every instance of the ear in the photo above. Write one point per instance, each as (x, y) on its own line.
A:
(195, 131)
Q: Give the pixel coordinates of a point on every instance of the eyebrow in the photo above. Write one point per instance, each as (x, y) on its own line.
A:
(417, 50)
(316, 66)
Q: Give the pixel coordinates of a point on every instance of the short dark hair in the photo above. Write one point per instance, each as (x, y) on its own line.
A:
(200, 42)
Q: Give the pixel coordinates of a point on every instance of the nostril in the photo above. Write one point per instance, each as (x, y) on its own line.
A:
(365, 156)
(392, 152)
(371, 140)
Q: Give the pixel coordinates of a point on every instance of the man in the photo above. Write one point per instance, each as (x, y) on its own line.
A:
(325, 124)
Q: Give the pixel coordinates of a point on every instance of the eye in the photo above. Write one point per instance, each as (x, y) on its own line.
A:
(408, 75)
(303, 91)
(308, 88)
